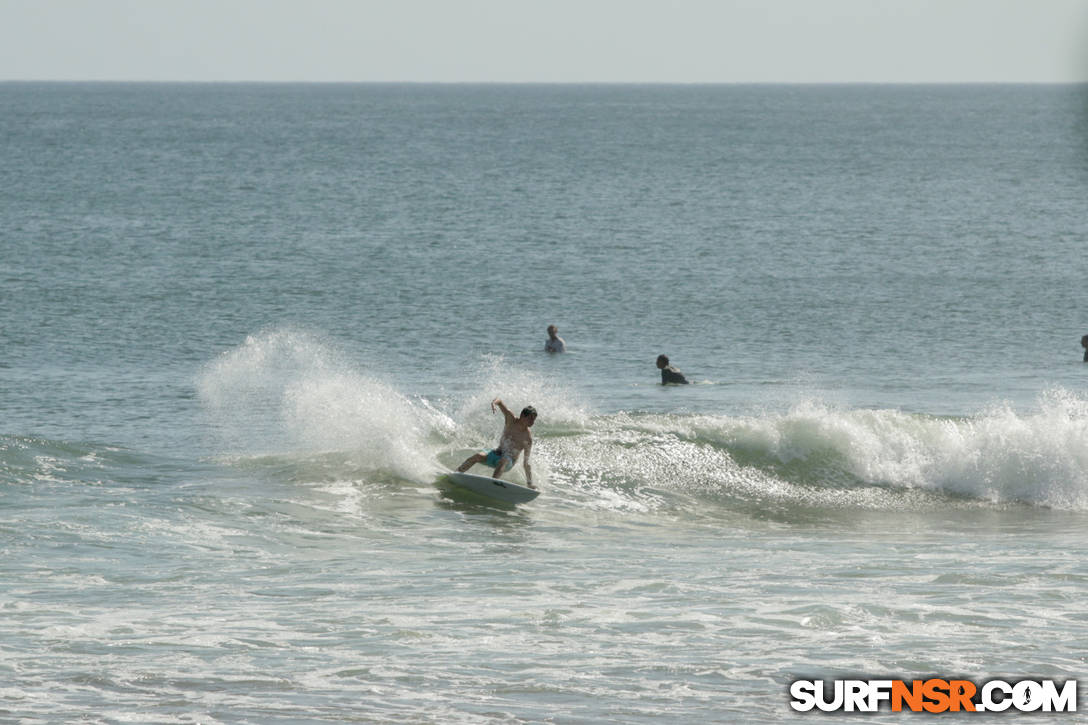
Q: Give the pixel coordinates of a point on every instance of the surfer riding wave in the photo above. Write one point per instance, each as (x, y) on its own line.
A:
(515, 438)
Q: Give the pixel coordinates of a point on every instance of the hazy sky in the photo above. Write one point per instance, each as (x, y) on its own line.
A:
(546, 40)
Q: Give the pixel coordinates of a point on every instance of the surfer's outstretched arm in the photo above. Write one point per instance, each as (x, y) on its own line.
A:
(505, 411)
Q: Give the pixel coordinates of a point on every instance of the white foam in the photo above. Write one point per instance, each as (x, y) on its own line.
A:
(1001, 455)
(290, 391)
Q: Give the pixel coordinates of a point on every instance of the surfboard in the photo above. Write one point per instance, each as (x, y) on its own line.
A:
(507, 491)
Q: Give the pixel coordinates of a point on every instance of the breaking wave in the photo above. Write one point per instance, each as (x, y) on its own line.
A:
(289, 393)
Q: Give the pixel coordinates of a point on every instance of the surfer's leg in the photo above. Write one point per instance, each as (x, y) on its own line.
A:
(505, 464)
(471, 461)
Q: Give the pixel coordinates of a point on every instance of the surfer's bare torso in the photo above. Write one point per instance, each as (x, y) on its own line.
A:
(515, 436)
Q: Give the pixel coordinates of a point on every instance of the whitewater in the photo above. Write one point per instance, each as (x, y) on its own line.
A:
(288, 392)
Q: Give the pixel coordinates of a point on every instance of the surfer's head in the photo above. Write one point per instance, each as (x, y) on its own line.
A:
(552, 330)
(528, 414)
(1084, 341)
(662, 361)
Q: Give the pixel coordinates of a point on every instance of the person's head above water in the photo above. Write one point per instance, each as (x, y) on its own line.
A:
(662, 361)
(1084, 341)
(552, 331)
(529, 412)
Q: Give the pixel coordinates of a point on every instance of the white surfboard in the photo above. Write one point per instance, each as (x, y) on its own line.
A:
(507, 491)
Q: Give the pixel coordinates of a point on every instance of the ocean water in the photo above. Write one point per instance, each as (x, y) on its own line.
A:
(245, 328)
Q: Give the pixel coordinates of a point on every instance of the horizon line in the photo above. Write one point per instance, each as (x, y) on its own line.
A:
(550, 83)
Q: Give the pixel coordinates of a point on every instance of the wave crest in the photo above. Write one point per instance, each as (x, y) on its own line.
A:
(999, 455)
(290, 392)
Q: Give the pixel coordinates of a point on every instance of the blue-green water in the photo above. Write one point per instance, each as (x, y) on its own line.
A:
(245, 327)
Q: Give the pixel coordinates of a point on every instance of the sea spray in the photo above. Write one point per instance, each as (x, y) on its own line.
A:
(288, 391)
(557, 403)
(291, 392)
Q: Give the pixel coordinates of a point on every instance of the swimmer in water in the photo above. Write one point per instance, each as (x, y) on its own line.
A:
(515, 438)
(669, 374)
(554, 343)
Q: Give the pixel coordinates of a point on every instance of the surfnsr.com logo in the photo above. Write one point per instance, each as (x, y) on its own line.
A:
(933, 695)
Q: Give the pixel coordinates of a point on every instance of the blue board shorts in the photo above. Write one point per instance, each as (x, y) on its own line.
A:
(493, 458)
